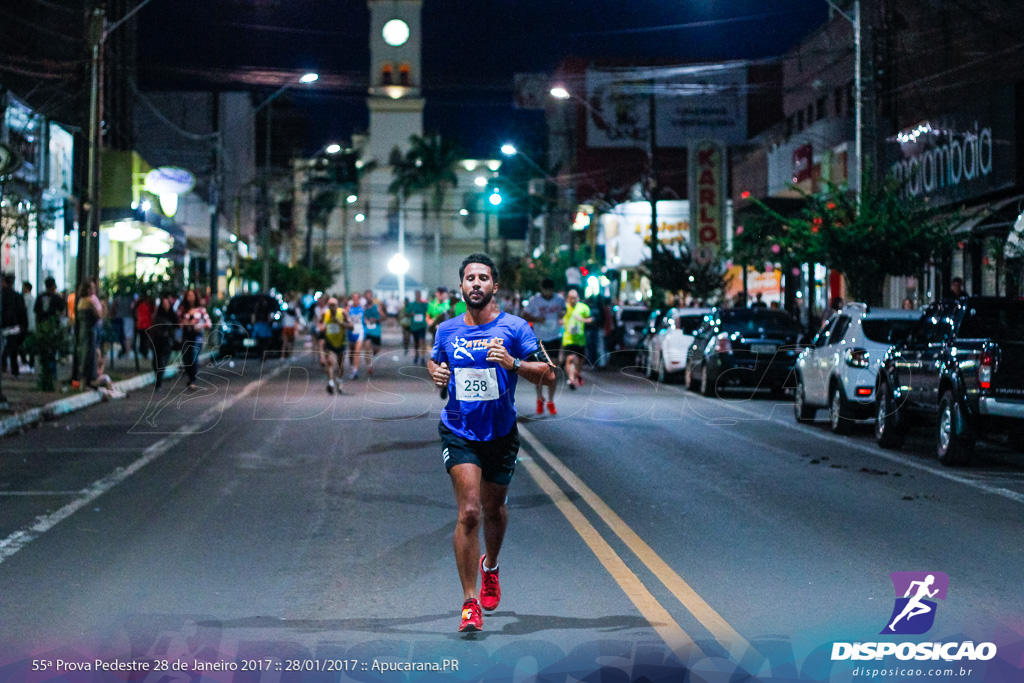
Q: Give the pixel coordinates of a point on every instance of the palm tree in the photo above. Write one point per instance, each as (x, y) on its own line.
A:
(329, 196)
(427, 169)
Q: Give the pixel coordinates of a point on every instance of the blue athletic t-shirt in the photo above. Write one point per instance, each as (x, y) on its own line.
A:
(481, 395)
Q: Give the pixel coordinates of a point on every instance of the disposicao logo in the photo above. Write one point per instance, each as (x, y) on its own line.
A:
(914, 612)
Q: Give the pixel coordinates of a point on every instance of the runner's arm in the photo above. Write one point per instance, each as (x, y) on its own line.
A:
(533, 371)
(439, 373)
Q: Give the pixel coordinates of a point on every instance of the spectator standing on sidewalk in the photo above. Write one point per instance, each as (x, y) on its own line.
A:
(144, 309)
(195, 322)
(160, 335)
(89, 316)
(30, 310)
(50, 304)
(13, 324)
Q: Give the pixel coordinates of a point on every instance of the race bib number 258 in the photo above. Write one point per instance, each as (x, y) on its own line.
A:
(476, 384)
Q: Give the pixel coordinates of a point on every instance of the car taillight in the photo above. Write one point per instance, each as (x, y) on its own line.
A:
(723, 345)
(985, 365)
(858, 358)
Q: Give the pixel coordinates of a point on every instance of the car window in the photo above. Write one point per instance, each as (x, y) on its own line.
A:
(246, 306)
(821, 338)
(689, 324)
(888, 331)
(752, 320)
(934, 329)
(1000, 320)
(839, 329)
(632, 315)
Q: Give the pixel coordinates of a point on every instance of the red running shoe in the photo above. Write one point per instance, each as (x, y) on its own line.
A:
(490, 589)
(551, 408)
(540, 406)
(472, 617)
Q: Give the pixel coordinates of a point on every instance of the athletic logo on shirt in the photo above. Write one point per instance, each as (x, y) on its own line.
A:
(463, 348)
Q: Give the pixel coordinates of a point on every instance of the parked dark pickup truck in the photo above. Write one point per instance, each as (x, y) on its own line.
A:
(962, 367)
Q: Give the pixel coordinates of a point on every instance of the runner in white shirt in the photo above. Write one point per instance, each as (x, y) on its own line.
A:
(544, 311)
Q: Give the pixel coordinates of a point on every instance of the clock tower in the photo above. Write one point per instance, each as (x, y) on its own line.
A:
(395, 102)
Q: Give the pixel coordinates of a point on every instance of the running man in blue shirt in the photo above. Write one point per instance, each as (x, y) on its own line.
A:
(479, 356)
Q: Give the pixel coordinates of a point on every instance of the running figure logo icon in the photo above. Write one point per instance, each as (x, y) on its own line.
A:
(914, 612)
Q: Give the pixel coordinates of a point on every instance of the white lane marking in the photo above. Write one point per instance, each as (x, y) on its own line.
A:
(871, 450)
(19, 539)
(41, 493)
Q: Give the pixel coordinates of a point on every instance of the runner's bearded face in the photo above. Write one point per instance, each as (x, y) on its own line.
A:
(477, 286)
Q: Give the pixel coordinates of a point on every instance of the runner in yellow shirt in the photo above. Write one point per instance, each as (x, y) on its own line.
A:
(574, 341)
(333, 337)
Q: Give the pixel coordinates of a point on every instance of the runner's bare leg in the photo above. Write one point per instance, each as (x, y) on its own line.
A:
(466, 482)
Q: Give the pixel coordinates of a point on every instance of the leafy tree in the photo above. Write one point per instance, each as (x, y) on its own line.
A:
(889, 233)
(297, 278)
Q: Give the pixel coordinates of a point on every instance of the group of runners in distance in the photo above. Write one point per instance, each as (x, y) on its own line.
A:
(479, 352)
(345, 331)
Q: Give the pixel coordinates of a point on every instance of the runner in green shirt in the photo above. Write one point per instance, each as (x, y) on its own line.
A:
(574, 340)
(437, 310)
(417, 311)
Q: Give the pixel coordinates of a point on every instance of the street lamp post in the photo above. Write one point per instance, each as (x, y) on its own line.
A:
(509, 150)
(561, 93)
(264, 222)
(399, 264)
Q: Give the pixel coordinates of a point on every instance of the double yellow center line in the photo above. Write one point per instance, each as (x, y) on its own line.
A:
(670, 631)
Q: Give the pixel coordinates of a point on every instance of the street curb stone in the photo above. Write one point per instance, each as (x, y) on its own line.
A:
(63, 406)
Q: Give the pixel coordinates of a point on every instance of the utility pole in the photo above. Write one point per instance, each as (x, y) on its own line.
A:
(218, 154)
(88, 243)
(265, 206)
(309, 219)
(653, 179)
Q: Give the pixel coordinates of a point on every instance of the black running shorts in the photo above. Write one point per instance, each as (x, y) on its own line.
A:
(496, 459)
(338, 351)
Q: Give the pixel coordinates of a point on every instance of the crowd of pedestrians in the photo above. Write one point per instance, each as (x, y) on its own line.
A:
(103, 325)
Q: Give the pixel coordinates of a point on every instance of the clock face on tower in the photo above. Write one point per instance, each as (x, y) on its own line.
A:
(395, 32)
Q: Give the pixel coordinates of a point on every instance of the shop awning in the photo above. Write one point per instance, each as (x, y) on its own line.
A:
(991, 219)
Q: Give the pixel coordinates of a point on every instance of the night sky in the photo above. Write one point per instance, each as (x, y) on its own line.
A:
(471, 50)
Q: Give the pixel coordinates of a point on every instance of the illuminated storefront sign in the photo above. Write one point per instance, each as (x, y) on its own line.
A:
(627, 231)
(707, 192)
(960, 155)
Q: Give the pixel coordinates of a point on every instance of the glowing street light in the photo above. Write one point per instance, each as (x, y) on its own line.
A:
(309, 77)
(495, 198)
(333, 148)
(399, 265)
(560, 93)
(351, 199)
(360, 217)
(508, 149)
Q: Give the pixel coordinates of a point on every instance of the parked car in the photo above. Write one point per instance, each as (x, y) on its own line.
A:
(630, 322)
(252, 322)
(743, 347)
(838, 370)
(665, 349)
(961, 369)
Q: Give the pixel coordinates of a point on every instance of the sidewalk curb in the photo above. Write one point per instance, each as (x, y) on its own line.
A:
(63, 406)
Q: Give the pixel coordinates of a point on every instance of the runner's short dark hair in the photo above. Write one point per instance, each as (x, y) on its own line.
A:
(442, 289)
(482, 259)
(547, 283)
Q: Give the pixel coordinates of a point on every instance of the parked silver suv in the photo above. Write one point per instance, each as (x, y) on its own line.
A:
(838, 371)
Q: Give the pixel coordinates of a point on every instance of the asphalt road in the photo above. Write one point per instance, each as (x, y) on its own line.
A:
(265, 524)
